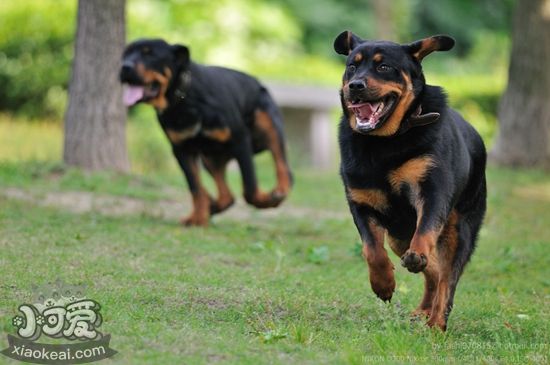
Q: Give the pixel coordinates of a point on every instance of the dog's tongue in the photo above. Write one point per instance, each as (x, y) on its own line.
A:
(366, 112)
(132, 94)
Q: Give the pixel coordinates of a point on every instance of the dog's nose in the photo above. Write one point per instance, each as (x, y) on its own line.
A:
(127, 72)
(357, 85)
(125, 69)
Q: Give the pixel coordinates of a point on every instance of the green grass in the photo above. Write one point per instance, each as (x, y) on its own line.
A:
(273, 288)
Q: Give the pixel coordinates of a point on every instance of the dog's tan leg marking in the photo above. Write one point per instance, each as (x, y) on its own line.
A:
(264, 124)
(381, 276)
(200, 214)
(446, 250)
(225, 197)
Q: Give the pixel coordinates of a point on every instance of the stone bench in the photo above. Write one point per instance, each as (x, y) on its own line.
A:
(310, 121)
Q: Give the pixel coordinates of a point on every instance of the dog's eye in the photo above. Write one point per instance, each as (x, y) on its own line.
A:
(383, 68)
(351, 68)
(146, 51)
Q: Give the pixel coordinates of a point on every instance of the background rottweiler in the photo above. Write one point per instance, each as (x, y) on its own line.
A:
(413, 169)
(209, 113)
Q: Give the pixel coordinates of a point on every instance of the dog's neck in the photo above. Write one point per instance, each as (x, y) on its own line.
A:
(417, 119)
(177, 92)
(432, 96)
(181, 86)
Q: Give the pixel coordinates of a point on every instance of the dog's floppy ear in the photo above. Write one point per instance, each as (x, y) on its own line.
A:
(181, 53)
(346, 42)
(424, 47)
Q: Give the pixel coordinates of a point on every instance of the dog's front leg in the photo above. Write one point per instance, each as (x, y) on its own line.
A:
(431, 213)
(381, 275)
(201, 201)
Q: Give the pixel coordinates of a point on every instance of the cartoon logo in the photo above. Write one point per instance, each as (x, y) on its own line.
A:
(59, 311)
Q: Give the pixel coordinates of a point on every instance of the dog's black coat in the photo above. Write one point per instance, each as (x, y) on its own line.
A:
(417, 174)
(212, 113)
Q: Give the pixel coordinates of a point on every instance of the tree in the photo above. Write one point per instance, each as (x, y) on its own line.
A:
(384, 20)
(524, 110)
(95, 120)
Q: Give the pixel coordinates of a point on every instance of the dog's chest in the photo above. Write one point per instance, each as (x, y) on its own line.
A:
(390, 189)
(186, 126)
(197, 131)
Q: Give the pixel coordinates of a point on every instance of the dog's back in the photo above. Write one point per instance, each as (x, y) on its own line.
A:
(231, 88)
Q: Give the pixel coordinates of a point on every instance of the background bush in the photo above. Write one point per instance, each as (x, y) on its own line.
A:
(35, 55)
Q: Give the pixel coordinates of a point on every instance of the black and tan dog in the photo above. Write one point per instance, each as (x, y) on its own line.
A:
(211, 114)
(413, 169)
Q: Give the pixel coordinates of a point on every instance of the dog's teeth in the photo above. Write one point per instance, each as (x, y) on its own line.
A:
(379, 108)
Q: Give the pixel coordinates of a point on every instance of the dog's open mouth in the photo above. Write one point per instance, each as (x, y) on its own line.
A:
(133, 94)
(371, 114)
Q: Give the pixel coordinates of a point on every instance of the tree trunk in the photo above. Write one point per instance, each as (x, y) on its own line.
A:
(524, 110)
(384, 21)
(95, 120)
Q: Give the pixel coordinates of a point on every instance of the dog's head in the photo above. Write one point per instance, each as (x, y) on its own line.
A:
(382, 80)
(148, 68)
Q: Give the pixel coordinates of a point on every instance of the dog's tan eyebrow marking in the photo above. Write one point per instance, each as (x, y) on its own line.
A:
(358, 57)
(377, 57)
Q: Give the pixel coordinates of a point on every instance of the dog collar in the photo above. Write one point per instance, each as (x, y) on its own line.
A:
(417, 119)
(183, 84)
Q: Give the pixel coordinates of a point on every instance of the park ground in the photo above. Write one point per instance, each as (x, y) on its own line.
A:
(266, 287)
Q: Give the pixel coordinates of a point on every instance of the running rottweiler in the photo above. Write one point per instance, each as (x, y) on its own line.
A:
(211, 114)
(413, 169)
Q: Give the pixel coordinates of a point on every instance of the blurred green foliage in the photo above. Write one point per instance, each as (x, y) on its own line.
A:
(322, 20)
(261, 37)
(463, 19)
(35, 55)
(285, 40)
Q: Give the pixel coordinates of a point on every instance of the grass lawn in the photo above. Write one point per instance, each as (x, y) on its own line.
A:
(279, 287)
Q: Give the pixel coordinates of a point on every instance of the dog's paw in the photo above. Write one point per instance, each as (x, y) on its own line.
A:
(277, 197)
(382, 282)
(194, 220)
(413, 261)
(218, 206)
(384, 290)
(438, 322)
(421, 313)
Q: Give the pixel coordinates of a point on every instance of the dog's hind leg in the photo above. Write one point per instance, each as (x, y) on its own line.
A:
(444, 268)
(468, 217)
(268, 123)
(252, 194)
(216, 167)
(468, 226)
(431, 278)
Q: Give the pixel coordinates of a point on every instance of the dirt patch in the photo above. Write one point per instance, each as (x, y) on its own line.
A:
(81, 202)
(534, 192)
